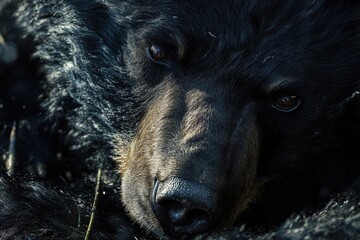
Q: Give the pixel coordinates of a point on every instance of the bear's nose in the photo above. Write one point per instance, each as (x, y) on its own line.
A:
(183, 207)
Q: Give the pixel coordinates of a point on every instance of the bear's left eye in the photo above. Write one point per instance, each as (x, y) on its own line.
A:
(159, 54)
(287, 103)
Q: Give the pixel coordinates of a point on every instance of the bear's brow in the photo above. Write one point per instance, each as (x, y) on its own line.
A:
(277, 85)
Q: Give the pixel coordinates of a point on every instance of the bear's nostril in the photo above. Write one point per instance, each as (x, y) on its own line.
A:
(180, 215)
(183, 207)
(177, 213)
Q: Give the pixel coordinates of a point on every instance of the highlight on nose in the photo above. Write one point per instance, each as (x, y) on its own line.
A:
(183, 207)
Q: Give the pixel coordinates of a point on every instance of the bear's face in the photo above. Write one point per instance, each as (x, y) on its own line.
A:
(233, 96)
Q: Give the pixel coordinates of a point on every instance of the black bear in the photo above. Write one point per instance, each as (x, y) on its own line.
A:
(201, 115)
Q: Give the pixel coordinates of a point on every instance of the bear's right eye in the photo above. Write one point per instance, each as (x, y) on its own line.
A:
(159, 54)
(287, 103)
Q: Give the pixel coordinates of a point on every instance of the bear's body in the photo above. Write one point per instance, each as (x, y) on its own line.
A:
(215, 113)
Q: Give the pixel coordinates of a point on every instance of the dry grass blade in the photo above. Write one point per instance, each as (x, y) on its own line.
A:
(2, 40)
(93, 209)
(10, 161)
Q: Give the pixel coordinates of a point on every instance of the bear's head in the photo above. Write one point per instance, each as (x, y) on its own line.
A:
(240, 109)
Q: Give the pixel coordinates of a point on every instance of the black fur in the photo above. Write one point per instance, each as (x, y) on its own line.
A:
(65, 90)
